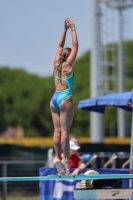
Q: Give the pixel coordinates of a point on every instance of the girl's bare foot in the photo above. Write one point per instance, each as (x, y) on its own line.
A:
(66, 167)
(60, 168)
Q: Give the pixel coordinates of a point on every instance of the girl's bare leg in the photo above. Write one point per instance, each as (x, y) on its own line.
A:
(57, 132)
(66, 117)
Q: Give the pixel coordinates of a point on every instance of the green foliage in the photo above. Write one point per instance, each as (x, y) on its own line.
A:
(25, 98)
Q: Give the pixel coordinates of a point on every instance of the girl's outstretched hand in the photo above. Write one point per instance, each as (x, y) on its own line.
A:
(66, 26)
(70, 23)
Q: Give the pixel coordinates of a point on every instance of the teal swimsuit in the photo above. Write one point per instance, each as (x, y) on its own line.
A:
(59, 96)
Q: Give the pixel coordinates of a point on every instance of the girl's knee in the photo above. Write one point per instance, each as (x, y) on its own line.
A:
(57, 132)
(65, 132)
(57, 136)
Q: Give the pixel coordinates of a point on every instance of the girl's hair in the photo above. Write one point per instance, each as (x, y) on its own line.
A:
(63, 57)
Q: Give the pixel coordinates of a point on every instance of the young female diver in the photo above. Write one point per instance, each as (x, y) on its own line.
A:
(61, 104)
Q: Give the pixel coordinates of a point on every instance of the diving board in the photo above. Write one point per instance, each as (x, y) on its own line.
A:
(69, 177)
(106, 193)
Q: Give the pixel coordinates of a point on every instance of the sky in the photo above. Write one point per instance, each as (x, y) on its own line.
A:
(31, 29)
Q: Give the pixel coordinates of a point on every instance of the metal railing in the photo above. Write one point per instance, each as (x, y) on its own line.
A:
(126, 163)
(19, 168)
(111, 161)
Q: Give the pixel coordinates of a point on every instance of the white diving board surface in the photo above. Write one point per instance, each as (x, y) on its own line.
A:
(106, 193)
(69, 177)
